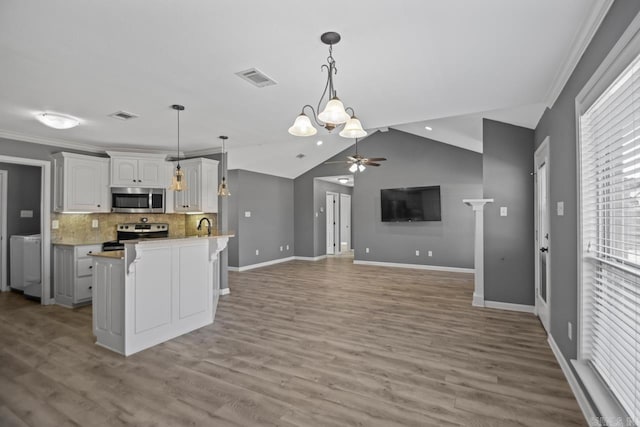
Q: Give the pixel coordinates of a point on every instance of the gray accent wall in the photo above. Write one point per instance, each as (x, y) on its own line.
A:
(507, 161)
(23, 193)
(559, 124)
(412, 161)
(269, 199)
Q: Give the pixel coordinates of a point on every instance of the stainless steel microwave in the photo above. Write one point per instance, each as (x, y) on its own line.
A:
(137, 200)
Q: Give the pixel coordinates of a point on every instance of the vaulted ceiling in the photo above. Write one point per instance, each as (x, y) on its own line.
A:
(402, 64)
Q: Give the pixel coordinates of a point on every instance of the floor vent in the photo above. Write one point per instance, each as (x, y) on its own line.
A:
(123, 115)
(256, 77)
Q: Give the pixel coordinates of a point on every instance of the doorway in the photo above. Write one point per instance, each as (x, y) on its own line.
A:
(45, 220)
(345, 222)
(542, 237)
(333, 223)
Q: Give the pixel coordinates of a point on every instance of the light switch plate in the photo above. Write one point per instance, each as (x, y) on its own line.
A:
(247, 214)
(26, 214)
(94, 223)
(503, 211)
(560, 208)
(55, 224)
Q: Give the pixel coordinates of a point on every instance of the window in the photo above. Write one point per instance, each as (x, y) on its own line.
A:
(610, 239)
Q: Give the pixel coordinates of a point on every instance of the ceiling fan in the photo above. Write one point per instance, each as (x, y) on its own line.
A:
(359, 163)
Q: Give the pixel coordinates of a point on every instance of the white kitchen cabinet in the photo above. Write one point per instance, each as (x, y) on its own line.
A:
(81, 183)
(201, 194)
(72, 273)
(138, 170)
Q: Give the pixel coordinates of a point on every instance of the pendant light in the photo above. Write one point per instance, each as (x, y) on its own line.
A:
(223, 190)
(334, 114)
(178, 183)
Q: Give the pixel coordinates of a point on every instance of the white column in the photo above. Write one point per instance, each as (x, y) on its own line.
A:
(478, 259)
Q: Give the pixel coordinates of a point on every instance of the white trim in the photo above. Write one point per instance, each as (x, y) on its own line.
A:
(3, 230)
(225, 291)
(310, 258)
(204, 152)
(81, 146)
(45, 218)
(416, 266)
(587, 411)
(580, 42)
(510, 306)
(543, 149)
(260, 264)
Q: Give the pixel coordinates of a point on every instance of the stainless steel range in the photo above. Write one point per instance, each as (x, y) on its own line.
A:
(133, 231)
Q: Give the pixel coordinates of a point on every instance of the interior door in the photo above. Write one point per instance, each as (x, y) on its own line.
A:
(345, 222)
(3, 230)
(542, 238)
(332, 218)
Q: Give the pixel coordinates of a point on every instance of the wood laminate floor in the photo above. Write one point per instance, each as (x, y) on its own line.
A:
(302, 343)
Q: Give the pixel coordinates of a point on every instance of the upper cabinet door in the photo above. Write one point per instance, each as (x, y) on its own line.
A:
(151, 173)
(82, 184)
(124, 172)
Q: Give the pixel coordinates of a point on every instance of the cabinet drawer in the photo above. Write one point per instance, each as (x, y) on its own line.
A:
(83, 289)
(85, 267)
(83, 251)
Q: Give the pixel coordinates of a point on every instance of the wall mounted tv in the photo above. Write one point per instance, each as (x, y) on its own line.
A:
(410, 204)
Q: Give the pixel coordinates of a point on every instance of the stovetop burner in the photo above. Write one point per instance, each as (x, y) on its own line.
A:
(132, 231)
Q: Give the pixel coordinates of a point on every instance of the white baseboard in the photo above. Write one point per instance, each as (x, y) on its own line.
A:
(509, 306)
(581, 397)
(261, 264)
(416, 266)
(225, 291)
(310, 258)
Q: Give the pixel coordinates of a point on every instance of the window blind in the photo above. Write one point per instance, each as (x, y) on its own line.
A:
(610, 212)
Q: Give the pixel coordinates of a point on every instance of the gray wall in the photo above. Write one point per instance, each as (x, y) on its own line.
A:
(23, 193)
(271, 225)
(413, 161)
(507, 161)
(320, 189)
(559, 124)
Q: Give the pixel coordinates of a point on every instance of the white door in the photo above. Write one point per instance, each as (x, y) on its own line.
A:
(345, 222)
(3, 230)
(542, 238)
(332, 226)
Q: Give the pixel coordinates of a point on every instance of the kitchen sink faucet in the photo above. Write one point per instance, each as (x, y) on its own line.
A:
(208, 225)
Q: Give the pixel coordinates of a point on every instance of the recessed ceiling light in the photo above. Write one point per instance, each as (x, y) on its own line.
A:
(57, 121)
(428, 128)
(319, 143)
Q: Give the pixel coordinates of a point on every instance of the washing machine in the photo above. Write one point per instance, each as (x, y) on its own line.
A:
(26, 274)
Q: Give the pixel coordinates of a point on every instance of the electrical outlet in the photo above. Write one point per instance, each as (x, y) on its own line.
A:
(247, 214)
(287, 247)
(55, 224)
(503, 211)
(417, 252)
(430, 253)
(257, 251)
(366, 250)
(560, 208)
(281, 248)
(94, 223)
(570, 330)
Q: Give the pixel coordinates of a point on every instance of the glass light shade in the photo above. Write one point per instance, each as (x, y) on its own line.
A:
(57, 121)
(334, 112)
(353, 168)
(302, 126)
(223, 190)
(178, 182)
(353, 129)
(361, 168)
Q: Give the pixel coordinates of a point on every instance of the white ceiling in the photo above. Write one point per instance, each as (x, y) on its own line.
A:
(401, 64)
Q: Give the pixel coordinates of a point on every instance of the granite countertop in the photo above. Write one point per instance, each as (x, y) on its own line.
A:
(110, 254)
(79, 242)
(161, 239)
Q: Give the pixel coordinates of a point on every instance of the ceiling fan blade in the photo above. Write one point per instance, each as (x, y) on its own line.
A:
(353, 158)
(377, 159)
(373, 164)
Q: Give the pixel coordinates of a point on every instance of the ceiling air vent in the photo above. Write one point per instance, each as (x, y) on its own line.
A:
(256, 77)
(123, 115)
(300, 156)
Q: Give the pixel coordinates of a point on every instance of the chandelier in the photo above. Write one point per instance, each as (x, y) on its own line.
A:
(334, 114)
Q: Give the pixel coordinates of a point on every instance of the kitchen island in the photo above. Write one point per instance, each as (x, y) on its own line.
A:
(155, 290)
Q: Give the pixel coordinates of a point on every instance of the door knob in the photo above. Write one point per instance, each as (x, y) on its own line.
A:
(544, 249)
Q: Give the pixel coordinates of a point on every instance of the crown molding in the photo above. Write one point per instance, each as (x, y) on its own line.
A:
(203, 152)
(51, 142)
(580, 42)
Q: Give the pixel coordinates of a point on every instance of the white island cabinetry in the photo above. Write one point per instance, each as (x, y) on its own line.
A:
(155, 290)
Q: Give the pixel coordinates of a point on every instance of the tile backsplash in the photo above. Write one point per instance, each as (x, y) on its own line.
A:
(78, 226)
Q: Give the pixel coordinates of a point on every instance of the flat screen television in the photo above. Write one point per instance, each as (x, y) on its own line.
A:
(410, 204)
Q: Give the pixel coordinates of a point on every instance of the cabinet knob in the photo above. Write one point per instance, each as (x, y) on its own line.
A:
(98, 205)
(90, 267)
(90, 287)
(134, 180)
(90, 252)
